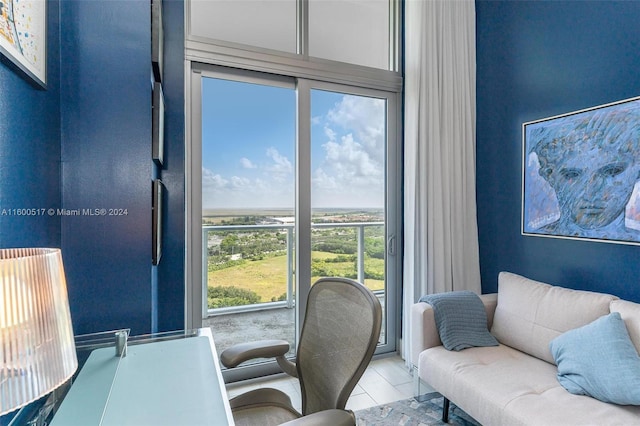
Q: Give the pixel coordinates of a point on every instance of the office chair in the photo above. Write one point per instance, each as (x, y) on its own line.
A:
(339, 335)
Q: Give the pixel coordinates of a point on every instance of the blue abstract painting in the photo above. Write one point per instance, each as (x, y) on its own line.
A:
(581, 174)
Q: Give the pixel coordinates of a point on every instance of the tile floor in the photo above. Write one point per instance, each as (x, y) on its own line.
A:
(387, 379)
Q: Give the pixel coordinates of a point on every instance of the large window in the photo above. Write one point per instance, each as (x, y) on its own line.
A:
(263, 24)
(352, 31)
(293, 162)
(359, 32)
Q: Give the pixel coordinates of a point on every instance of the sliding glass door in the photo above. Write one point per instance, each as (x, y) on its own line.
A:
(348, 164)
(248, 208)
(292, 177)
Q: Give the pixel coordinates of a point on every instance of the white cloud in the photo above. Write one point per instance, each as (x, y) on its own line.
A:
(212, 180)
(240, 191)
(352, 172)
(280, 168)
(365, 118)
(329, 133)
(240, 183)
(324, 181)
(349, 174)
(247, 164)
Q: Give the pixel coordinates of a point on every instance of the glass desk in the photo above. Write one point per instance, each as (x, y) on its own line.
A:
(164, 379)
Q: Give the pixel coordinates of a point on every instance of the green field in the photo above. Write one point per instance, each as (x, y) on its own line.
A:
(249, 265)
(268, 277)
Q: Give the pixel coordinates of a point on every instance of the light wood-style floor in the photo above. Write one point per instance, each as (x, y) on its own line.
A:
(386, 380)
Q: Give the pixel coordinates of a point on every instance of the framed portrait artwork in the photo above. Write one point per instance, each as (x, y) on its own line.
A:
(581, 174)
(23, 38)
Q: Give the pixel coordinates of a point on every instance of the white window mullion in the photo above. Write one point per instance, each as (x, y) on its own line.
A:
(303, 197)
(193, 215)
(303, 28)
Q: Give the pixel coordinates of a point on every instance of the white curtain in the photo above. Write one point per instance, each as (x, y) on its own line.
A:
(440, 227)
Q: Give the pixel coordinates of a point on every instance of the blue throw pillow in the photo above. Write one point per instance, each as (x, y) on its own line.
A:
(599, 360)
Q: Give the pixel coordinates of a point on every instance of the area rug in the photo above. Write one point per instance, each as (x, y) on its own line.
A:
(411, 412)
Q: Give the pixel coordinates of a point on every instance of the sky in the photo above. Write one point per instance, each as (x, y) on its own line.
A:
(248, 147)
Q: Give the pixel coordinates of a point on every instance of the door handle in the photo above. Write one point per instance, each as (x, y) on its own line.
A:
(391, 245)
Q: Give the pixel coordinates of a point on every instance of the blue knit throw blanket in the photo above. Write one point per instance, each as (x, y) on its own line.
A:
(461, 320)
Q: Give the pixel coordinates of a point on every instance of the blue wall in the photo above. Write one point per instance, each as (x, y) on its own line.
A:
(30, 150)
(85, 143)
(106, 156)
(106, 162)
(534, 60)
(170, 291)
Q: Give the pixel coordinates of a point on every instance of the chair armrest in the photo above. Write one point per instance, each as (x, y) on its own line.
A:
(332, 417)
(237, 354)
(424, 333)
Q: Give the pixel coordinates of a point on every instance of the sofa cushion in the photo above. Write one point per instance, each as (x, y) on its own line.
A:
(500, 386)
(483, 381)
(630, 313)
(530, 314)
(599, 360)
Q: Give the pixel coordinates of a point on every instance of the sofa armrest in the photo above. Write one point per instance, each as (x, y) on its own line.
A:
(424, 334)
(490, 302)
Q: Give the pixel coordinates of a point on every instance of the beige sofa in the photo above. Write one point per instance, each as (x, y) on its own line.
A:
(516, 382)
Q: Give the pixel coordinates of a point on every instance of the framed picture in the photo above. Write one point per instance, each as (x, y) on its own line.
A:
(23, 38)
(157, 125)
(581, 174)
(156, 220)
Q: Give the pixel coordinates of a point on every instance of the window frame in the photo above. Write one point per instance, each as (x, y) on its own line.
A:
(303, 173)
(205, 55)
(237, 55)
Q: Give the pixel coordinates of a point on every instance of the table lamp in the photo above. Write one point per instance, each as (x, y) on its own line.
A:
(37, 350)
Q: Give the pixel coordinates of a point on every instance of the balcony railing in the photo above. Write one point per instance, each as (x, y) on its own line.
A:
(289, 228)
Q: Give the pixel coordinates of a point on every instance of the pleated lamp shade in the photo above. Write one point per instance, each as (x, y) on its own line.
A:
(37, 350)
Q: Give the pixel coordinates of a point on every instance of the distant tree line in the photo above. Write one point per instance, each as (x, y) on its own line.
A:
(225, 296)
(256, 245)
(260, 244)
